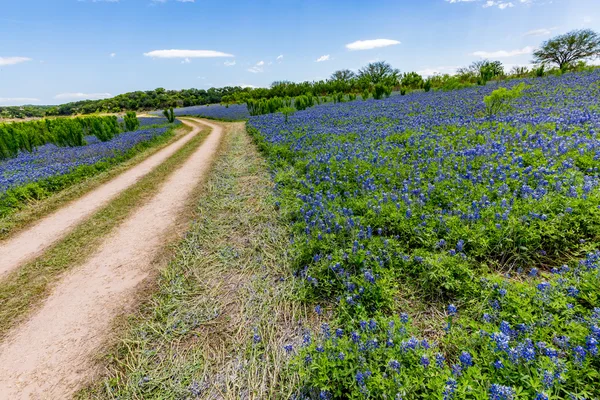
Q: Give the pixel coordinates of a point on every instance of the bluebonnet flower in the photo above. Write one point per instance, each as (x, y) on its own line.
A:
(318, 309)
(440, 360)
(498, 364)
(534, 272)
(404, 317)
(487, 317)
(306, 339)
(326, 330)
(579, 353)
(452, 310)
(341, 356)
(308, 359)
(466, 359)
(450, 389)
(288, 348)
(395, 365)
(591, 344)
(548, 379)
(500, 392)
(339, 333)
(460, 245)
(425, 361)
(360, 378)
(540, 396)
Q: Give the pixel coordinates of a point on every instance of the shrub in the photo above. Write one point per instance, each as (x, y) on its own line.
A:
(169, 115)
(499, 100)
(131, 121)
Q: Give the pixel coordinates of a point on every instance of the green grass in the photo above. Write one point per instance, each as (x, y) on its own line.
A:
(26, 287)
(228, 279)
(28, 210)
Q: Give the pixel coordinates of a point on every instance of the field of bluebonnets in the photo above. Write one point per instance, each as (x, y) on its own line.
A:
(449, 254)
(232, 112)
(48, 168)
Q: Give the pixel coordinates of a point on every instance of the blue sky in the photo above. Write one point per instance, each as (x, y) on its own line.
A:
(56, 51)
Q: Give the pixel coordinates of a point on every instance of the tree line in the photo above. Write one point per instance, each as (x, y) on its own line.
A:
(563, 53)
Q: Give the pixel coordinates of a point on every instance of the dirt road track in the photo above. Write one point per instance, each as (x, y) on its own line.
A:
(50, 355)
(34, 240)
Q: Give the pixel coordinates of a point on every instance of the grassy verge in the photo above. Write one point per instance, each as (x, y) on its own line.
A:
(224, 306)
(27, 286)
(27, 208)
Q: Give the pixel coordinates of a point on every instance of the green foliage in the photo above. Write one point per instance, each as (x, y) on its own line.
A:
(540, 71)
(287, 111)
(499, 100)
(381, 91)
(412, 80)
(26, 136)
(131, 121)
(427, 85)
(169, 115)
(365, 94)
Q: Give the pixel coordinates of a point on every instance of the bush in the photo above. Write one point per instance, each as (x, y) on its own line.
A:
(131, 121)
(499, 100)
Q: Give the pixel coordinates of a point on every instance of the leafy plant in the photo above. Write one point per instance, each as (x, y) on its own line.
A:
(169, 115)
(500, 99)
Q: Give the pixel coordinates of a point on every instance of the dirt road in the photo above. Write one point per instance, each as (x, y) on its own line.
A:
(50, 355)
(34, 240)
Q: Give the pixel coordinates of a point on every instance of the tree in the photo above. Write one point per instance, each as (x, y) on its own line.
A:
(480, 71)
(412, 80)
(379, 72)
(343, 75)
(563, 50)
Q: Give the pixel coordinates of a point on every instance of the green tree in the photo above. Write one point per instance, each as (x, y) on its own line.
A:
(563, 50)
(379, 72)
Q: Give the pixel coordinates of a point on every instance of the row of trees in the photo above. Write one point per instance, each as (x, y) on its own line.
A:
(26, 136)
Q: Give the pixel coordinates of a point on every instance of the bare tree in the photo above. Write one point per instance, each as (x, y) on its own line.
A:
(563, 50)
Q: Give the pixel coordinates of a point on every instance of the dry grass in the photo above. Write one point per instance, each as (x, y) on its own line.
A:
(229, 280)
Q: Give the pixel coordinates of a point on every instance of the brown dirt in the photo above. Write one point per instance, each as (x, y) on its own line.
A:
(31, 242)
(51, 355)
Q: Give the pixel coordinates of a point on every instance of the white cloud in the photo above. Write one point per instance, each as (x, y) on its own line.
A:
(244, 86)
(113, 55)
(279, 57)
(11, 101)
(186, 61)
(258, 68)
(82, 96)
(438, 70)
(500, 4)
(539, 32)
(371, 44)
(326, 57)
(504, 53)
(13, 60)
(186, 54)
(229, 63)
